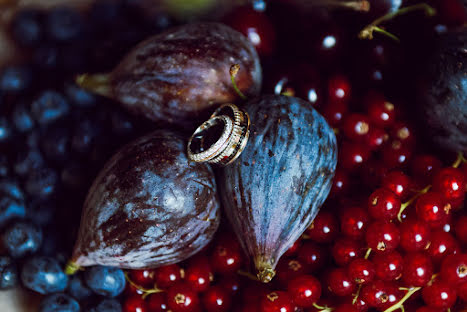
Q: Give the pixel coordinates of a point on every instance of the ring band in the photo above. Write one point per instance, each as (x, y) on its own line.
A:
(230, 143)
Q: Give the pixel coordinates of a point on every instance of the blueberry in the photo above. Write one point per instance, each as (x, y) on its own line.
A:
(84, 136)
(121, 123)
(42, 212)
(6, 130)
(105, 281)
(10, 188)
(107, 305)
(15, 78)
(55, 143)
(49, 107)
(59, 303)
(44, 275)
(21, 239)
(78, 289)
(42, 183)
(46, 56)
(79, 96)
(4, 166)
(21, 118)
(64, 24)
(8, 273)
(27, 27)
(11, 208)
(28, 160)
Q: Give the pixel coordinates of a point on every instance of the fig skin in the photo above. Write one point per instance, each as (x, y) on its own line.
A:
(442, 90)
(177, 76)
(273, 191)
(149, 206)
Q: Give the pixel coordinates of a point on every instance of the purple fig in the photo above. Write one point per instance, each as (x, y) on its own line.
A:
(273, 191)
(177, 76)
(149, 206)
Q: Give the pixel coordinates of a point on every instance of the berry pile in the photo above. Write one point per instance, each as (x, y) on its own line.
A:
(391, 236)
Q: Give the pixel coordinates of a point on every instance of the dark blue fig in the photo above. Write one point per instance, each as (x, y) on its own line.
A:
(274, 190)
(149, 206)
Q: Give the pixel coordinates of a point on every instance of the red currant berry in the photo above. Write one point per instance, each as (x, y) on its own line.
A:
(182, 298)
(131, 290)
(340, 183)
(451, 12)
(249, 307)
(353, 155)
(356, 126)
(381, 295)
(277, 301)
(346, 307)
(451, 184)
(376, 138)
(382, 113)
(134, 304)
(216, 299)
(461, 228)
(396, 154)
(157, 303)
(454, 269)
(439, 294)
(312, 255)
(418, 269)
(415, 235)
(403, 133)
(199, 274)
(256, 26)
(383, 204)
(462, 291)
(335, 112)
(398, 182)
(432, 208)
(373, 173)
(292, 251)
(338, 89)
(143, 278)
(289, 268)
(345, 250)
(304, 290)
(226, 256)
(231, 283)
(427, 309)
(168, 275)
(442, 244)
(382, 236)
(388, 265)
(362, 271)
(253, 292)
(339, 282)
(324, 228)
(354, 221)
(424, 166)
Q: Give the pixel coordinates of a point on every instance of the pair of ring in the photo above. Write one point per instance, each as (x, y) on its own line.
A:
(222, 138)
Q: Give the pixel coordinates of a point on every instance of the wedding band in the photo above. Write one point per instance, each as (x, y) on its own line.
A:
(232, 138)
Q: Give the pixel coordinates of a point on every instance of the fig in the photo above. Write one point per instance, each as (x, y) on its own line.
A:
(442, 93)
(273, 191)
(177, 76)
(149, 206)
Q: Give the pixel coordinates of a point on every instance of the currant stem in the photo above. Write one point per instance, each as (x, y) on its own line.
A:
(399, 305)
(357, 5)
(367, 254)
(459, 160)
(233, 73)
(410, 201)
(355, 298)
(321, 308)
(146, 291)
(387, 33)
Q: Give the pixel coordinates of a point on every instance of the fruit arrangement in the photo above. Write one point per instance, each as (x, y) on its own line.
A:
(348, 193)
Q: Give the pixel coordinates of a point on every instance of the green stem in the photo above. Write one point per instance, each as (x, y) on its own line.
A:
(399, 305)
(146, 291)
(386, 33)
(367, 254)
(71, 268)
(459, 160)
(248, 275)
(355, 298)
(321, 308)
(98, 83)
(410, 201)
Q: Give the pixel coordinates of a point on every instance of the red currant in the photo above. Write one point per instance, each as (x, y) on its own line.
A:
(362, 271)
(376, 138)
(293, 250)
(182, 298)
(314, 256)
(396, 154)
(353, 155)
(277, 301)
(454, 269)
(340, 183)
(432, 208)
(334, 113)
(134, 304)
(383, 204)
(168, 275)
(346, 307)
(398, 182)
(461, 228)
(354, 221)
(442, 244)
(339, 89)
(199, 274)
(451, 184)
(382, 236)
(381, 295)
(418, 269)
(289, 268)
(143, 278)
(131, 290)
(403, 133)
(226, 256)
(345, 250)
(356, 126)
(388, 265)
(427, 309)
(424, 166)
(439, 294)
(415, 235)
(304, 290)
(157, 303)
(324, 228)
(462, 291)
(382, 113)
(216, 299)
(340, 283)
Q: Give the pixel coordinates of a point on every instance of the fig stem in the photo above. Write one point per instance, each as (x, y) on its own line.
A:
(248, 275)
(410, 201)
(266, 274)
(98, 83)
(459, 160)
(71, 268)
(357, 5)
(367, 32)
(233, 73)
